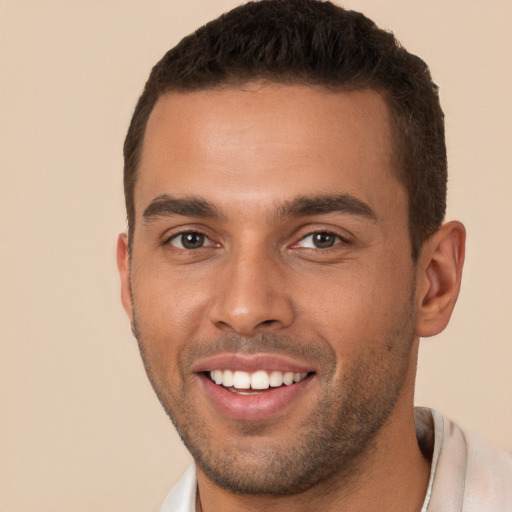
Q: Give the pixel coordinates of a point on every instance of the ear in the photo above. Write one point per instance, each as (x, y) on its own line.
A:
(439, 277)
(123, 264)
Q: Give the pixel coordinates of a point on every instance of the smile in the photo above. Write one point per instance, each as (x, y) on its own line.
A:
(255, 388)
(258, 380)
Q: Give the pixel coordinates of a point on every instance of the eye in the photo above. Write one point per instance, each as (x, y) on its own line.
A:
(190, 240)
(320, 240)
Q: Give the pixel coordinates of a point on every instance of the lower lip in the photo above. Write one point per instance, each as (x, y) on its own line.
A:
(259, 406)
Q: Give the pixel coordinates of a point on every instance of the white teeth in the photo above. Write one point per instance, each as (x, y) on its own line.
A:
(257, 380)
(241, 380)
(228, 378)
(288, 378)
(276, 379)
(217, 376)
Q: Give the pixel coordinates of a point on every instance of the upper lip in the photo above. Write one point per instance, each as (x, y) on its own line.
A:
(250, 363)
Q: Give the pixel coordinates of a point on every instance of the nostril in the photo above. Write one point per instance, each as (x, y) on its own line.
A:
(267, 322)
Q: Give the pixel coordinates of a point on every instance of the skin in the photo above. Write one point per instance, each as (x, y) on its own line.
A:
(352, 313)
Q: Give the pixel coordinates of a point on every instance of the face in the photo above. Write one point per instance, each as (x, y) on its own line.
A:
(271, 284)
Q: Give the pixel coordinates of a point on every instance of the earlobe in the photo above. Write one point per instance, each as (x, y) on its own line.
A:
(439, 277)
(123, 265)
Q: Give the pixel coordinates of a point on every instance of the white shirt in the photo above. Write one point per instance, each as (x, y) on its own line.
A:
(467, 474)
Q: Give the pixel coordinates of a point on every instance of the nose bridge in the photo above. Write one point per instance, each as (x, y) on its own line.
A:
(251, 293)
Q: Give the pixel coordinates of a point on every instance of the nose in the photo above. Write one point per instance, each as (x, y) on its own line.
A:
(252, 296)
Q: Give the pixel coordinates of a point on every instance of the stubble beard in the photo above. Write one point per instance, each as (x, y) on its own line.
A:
(331, 446)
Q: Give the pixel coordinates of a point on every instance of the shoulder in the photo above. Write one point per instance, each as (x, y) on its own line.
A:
(182, 497)
(488, 477)
(471, 474)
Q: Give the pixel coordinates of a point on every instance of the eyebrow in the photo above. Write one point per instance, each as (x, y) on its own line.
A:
(165, 205)
(190, 206)
(319, 205)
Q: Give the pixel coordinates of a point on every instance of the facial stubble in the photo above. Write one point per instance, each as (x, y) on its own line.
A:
(332, 445)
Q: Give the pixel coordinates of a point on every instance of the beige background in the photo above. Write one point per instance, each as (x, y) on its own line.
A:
(80, 429)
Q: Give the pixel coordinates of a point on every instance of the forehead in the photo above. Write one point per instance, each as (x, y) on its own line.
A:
(262, 141)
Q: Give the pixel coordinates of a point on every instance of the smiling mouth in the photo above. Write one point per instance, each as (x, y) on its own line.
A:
(242, 382)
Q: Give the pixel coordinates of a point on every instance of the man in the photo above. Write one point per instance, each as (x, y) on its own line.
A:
(285, 182)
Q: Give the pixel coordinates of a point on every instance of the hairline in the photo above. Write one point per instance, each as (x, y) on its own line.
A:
(393, 121)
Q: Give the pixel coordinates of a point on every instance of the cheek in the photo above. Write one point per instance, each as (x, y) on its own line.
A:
(357, 306)
(167, 304)
(171, 309)
(168, 314)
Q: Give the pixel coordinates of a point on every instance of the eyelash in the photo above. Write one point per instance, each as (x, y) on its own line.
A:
(337, 240)
(181, 234)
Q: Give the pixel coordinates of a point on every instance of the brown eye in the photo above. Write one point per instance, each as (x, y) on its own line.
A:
(321, 240)
(189, 240)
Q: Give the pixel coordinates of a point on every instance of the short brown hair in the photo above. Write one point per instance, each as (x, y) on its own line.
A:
(318, 43)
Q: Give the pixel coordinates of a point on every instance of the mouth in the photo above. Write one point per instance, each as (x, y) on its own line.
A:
(249, 383)
(254, 389)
